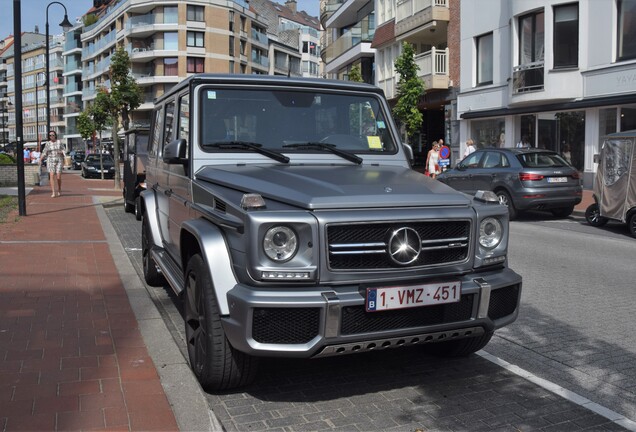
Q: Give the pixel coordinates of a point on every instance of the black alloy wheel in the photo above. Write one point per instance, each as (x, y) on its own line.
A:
(593, 216)
(504, 199)
(631, 223)
(215, 363)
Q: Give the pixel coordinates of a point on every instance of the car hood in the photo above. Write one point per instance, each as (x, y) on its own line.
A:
(325, 187)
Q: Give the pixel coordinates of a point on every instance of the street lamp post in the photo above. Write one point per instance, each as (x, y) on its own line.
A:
(66, 26)
(37, 112)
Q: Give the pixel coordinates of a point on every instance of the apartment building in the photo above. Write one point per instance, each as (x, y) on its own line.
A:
(349, 27)
(34, 95)
(299, 31)
(560, 74)
(431, 27)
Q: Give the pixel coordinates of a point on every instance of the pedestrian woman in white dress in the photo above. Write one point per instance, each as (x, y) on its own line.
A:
(432, 160)
(54, 154)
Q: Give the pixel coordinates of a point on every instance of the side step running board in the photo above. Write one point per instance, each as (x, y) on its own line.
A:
(172, 272)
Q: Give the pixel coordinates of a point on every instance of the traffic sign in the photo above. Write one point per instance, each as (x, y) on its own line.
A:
(443, 162)
(444, 152)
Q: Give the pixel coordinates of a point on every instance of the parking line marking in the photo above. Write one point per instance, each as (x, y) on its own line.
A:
(576, 398)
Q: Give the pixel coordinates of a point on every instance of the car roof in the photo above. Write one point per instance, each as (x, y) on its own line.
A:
(269, 80)
(516, 151)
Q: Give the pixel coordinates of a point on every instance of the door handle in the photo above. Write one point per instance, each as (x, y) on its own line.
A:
(168, 192)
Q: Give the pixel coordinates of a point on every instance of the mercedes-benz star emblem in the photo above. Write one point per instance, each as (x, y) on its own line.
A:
(404, 246)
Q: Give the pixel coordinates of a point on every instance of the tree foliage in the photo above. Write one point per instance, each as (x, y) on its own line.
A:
(355, 74)
(124, 96)
(409, 90)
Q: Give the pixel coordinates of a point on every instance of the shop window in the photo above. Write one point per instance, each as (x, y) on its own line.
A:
(566, 36)
(488, 133)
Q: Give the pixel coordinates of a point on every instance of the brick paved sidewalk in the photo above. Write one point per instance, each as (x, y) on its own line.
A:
(71, 353)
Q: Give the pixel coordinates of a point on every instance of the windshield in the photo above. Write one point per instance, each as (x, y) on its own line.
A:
(277, 119)
(96, 158)
(541, 160)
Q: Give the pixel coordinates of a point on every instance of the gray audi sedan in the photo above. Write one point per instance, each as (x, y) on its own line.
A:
(523, 179)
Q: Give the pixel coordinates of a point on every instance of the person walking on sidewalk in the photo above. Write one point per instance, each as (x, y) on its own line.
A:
(54, 154)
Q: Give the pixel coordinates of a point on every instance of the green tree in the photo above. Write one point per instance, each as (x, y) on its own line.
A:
(409, 90)
(355, 74)
(85, 126)
(124, 96)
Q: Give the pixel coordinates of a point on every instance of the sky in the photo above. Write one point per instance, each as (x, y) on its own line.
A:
(34, 13)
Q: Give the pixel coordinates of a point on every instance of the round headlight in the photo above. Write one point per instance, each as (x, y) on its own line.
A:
(280, 243)
(490, 232)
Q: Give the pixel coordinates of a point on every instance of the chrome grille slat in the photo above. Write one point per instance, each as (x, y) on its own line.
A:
(365, 246)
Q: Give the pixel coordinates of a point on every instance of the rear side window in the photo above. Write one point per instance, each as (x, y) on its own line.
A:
(541, 160)
(157, 129)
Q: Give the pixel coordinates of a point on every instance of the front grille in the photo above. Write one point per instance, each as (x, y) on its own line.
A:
(503, 302)
(356, 320)
(285, 325)
(366, 246)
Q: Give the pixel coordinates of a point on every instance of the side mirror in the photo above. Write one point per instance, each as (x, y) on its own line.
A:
(460, 167)
(409, 152)
(597, 158)
(175, 152)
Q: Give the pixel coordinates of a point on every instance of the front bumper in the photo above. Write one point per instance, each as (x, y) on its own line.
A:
(324, 321)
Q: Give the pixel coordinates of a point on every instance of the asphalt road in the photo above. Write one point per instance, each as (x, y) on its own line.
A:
(574, 330)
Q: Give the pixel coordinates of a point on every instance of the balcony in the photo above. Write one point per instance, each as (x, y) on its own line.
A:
(433, 66)
(358, 34)
(413, 14)
(528, 77)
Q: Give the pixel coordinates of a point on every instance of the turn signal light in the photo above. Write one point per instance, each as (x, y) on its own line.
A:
(576, 175)
(530, 177)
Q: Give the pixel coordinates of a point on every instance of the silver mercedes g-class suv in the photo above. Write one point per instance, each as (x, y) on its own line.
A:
(286, 214)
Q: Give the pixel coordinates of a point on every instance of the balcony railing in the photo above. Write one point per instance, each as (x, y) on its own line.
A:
(408, 8)
(528, 77)
(433, 67)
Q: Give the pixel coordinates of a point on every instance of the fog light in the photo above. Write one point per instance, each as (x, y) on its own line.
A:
(284, 275)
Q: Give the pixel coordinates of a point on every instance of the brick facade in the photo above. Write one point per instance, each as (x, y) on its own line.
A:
(9, 175)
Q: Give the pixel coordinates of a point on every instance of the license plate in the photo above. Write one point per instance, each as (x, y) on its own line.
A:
(557, 179)
(400, 297)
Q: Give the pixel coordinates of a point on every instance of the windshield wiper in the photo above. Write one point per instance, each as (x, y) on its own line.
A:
(247, 145)
(329, 147)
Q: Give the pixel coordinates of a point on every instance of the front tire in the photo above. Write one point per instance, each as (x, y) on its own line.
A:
(137, 210)
(216, 364)
(504, 199)
(631, 223)
(152, 276)
(593, 216)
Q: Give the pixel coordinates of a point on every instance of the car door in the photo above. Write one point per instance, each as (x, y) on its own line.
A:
(463, 178)
(159, 174)
(490, 168)
(180, 186)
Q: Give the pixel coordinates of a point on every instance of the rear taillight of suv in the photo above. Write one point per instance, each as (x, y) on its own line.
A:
(576, 175)
(530, 177)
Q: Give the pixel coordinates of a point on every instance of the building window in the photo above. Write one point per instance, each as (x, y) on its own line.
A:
(195, 64)
(528, 75)
(531, 31)
(626, 29)
(195, 39)
(566, 36)
(170, 15)
(171, 41)
(231, 47)
(170, 66)
(484, 59)
(195, 13)
(231, 20)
